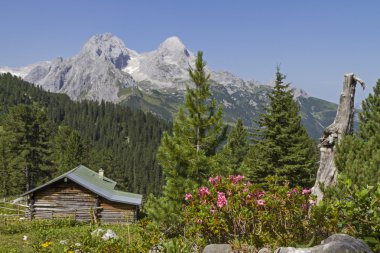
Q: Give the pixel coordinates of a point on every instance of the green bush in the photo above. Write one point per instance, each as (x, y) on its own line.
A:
(352, 210)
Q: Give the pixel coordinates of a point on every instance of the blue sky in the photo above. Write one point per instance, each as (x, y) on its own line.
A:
(315, 42)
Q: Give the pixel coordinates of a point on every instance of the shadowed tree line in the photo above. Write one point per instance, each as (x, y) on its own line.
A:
(44, 134)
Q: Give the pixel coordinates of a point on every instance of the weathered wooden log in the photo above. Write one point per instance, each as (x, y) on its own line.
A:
(68, 199)
(342, 125)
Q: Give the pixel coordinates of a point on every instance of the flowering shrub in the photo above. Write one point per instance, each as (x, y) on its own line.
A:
(234, 209)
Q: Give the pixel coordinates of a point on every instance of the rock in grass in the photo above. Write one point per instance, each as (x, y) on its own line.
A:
(217, 248)
(109, 235)
(337, 243)
(264, 250)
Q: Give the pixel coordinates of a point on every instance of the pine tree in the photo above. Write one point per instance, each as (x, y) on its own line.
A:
(282, 146)
(358, 156)
(31, 129)
(234, 152)
(70, 150)
(8, 175)
(188, 155)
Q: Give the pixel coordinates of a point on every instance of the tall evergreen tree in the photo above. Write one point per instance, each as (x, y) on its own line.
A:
(282, 146)
(70, 150)
(358, 156)
(31, 129)
(188, 155)
(9, 177)
(234, 152)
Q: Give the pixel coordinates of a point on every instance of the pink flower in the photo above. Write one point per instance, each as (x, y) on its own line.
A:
(245, 189)
(188, 196)
(306, 191)
(261, 202)
(215, 181)
(213, 209)
(260, 194)
(312, 202)
(199, 221)
(222, 201)
(304, 207)
(229, 193)
(248, 184)
(236, 179)
(239, 177)
(294, 191)
(203, 191)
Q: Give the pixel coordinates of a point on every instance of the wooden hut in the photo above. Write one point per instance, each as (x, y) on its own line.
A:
(84, 195)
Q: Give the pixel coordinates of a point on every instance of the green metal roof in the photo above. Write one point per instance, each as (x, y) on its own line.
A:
(91, 180)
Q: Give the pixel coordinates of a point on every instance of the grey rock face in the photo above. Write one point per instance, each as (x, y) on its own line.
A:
(217, 248)
(109, 48)
(95, 73)
(338, 243)
(164, 67)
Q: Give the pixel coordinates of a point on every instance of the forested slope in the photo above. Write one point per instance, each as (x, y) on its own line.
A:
(118, 139)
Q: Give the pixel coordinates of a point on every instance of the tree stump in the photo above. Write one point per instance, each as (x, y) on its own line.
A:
(342, 125)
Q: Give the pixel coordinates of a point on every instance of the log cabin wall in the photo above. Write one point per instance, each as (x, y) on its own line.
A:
(64, 199)
(112, 212)
(68, 199)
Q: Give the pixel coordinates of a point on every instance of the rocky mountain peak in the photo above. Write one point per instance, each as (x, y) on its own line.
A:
(173, 51)
(109, 48)
(105, 42)
(163, 67)
(172, 44)
(300, 93)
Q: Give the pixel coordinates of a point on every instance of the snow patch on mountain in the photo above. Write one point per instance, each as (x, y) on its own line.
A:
(226, 103)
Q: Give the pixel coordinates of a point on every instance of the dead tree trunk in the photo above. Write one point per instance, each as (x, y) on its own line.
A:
(343, 123)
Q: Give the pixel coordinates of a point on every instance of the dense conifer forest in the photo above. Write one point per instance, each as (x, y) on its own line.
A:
(104, 135)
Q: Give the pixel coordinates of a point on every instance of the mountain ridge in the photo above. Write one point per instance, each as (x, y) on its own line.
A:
(105, 69)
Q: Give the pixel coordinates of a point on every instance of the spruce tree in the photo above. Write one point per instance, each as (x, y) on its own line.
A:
(282, 146)
(233, 153)
(188, 154)
(29, 126)
(358, 156)
(9, 176)
(70, 150)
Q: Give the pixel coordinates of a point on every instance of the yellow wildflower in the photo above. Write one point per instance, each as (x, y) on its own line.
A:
(46, 244)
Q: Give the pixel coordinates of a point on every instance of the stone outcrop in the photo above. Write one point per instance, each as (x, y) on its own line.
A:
(217, 248)
(337, 243)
